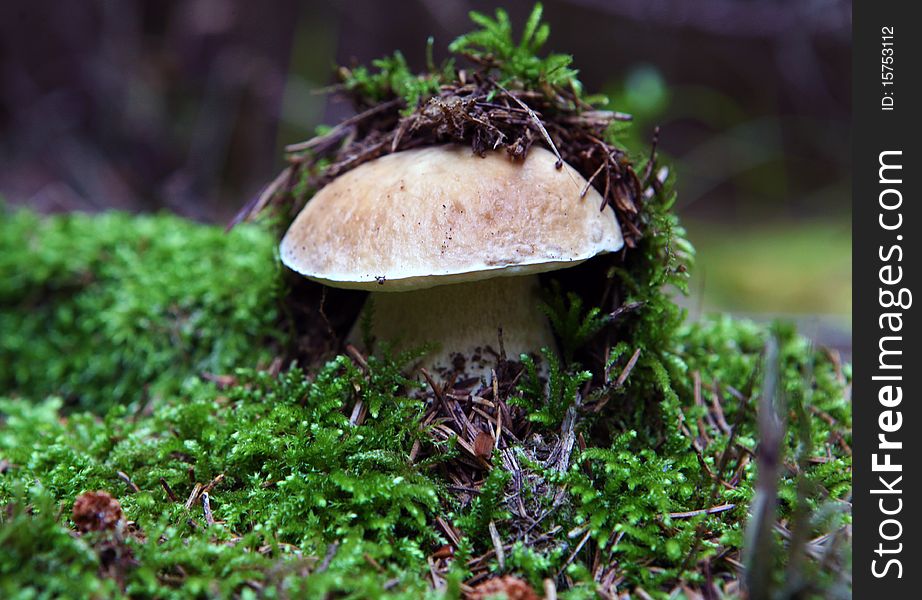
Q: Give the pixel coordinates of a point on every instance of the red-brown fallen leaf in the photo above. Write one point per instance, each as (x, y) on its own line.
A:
(96, 511)
(445, 551)
(513, 587)
(483, 444)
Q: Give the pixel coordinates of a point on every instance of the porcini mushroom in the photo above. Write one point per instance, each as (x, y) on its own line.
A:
(450, 244)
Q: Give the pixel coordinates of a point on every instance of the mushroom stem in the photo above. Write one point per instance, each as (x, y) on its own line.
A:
(463, 320)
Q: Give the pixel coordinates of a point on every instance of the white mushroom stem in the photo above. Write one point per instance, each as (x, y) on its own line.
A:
(462, 318)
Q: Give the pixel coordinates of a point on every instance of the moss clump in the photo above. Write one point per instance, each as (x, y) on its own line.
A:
(293, 478)
(42, 559)
(309, 501)
(518, 62)
(114, 309)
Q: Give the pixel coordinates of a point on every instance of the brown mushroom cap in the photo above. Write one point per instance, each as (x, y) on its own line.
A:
(437, 215)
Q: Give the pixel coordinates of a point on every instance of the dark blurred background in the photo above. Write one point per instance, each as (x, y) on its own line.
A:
(185, 105)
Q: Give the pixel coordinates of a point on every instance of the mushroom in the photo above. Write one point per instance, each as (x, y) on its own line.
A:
(450, 244)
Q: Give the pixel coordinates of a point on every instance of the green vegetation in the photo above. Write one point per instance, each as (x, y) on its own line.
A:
(518, 61)
(297, 478)
(392, 76)
(301, 484)
(493, 44)
(112, 309)
(136, 358)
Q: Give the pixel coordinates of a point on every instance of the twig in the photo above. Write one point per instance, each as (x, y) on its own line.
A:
(499, 410)
(339, 130)
(213, 483)
(196, 490)
(414, 450)
(357, 413)
(764, 505)
(260, 202)
(718, 409)
(449, 531)
(497, 546)
(627, 369)
(436, 389)
(357, 356)
(537, 121)
(722, 465)
(169, 490)
(573, 554)
(642, 593)
(328, 558)
(437, 582)
(703, 511)
(206, 507)
(588, 185)
(131, 485)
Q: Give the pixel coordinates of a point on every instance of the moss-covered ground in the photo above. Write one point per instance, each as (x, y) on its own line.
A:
(136, 358)
(174, 366)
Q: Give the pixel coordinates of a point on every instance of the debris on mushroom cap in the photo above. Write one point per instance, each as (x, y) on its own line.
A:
(512, 587)
(441, 214)
(96, 511)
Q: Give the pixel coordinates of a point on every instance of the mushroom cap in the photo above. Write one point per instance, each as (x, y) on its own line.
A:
(441, 214)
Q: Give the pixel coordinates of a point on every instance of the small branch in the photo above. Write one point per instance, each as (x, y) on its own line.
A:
(131, 485)
(534, 117)
(196, 490)
(258, 203)
(449, 531)
(339, 130)
(328, 558)
(573, 554)
(627, 369)
(357, 356)
(213, 483)
(759, 549)
(206, 507)
(497, 546)
(168, 490)
(357, 413)
(704, 511)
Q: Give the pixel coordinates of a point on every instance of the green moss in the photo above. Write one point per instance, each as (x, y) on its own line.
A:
(518, 60)
(40, 558)
(492, 44)
(297, 477)
(300, 480)
(391, 76)
(101, 314)
(112, 309)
